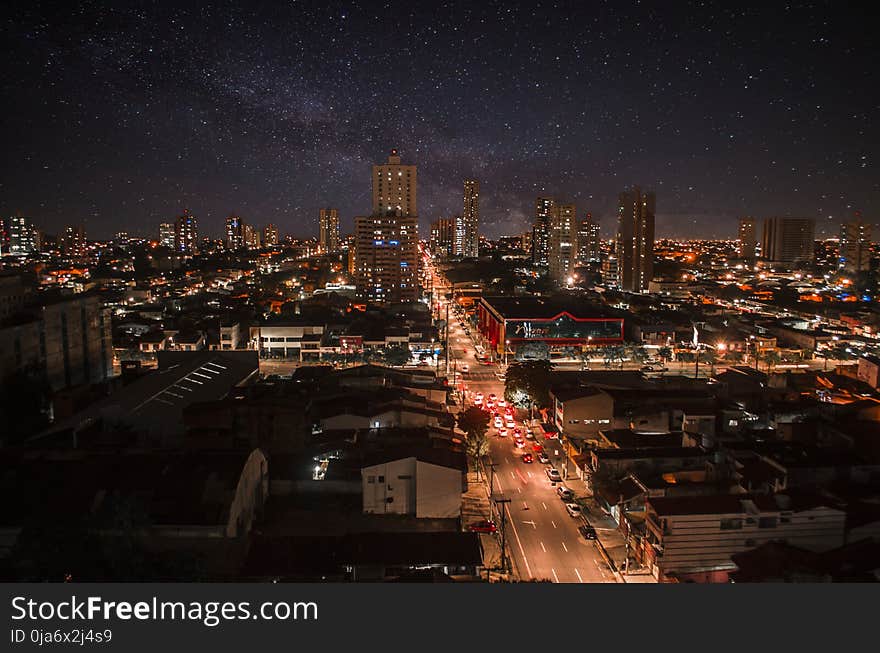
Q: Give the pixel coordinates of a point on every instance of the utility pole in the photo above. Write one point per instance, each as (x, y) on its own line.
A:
(446, 329)
(500, 499)
(491, 467)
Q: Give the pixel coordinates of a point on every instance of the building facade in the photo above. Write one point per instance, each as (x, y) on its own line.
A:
(545, 209)
(166, 235)
(748, 238)
(467, 240)
(328, 225)
(635, 239)
(394, 188)
(235, 232)
(589, 243)
(444, 232)
(270, 235)
(788, 240)
(386, 258)
(17, 236)
(186, 233)
(562, 255)
(855, 247)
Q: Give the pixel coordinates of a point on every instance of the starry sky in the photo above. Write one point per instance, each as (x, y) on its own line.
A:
(122, 114)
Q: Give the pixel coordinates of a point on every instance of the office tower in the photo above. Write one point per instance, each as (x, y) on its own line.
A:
(855, 247)
(394, 188)
(328, 222)
(186, 233)
(270, 235)
(443, 236)
(748, 238)
(545, 208)
(73, 244)
(235, 232)
(467, 232)
(788, 240)
(386, 258)
(635, 239)
(17, 236)
(588, 240)
(562, 255)
(166, 235)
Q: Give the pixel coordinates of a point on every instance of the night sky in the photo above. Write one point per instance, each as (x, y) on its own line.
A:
(124, 116)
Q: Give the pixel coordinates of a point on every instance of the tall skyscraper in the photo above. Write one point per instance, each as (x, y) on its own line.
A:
(444, 232)
(467, 236)
(748, 238)
(166, 235)
(386, 243)
(328, 223)
(270, 235)
(635, 239)
(394, 188)
(235, 232)
(788, 240)
(855, 247)
(250, 236)
(73, 244)
(545, 209)
(562, 255)
(386, 258)
(17, 236)
(588, 240)
(186, 233)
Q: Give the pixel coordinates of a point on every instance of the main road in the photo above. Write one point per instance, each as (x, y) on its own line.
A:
(541, 536)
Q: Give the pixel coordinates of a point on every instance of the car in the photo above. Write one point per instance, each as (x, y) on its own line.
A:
(465, 368)
(478, 398)
(536, 446)
(565, 493)
(501, 403)
(519, 443)
(484, 526)
(529, 436)
(554, 475)
(498, 423)
(502, 432)
(527, 458)
(493, 396)
(509, 423)
(490, 404)
(587, 532)
(543, 459)
(654, 368)
(574, 510)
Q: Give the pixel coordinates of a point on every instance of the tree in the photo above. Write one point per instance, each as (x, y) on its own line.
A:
(771, 358)
(533, 351)
(733, 356)
(397, 355)
(665, 354)
(709, 357)
(525, 384)
(473, 421)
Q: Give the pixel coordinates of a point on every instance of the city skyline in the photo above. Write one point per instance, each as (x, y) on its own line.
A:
(268, 133)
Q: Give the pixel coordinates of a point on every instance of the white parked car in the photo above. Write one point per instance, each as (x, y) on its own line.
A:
(573, 509)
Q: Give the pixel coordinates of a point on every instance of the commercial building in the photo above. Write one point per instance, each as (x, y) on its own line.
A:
(328, 224)
(166, 235)
(235, 232)
(394, 187)
(186, 233)
(788, 240)
(17, 236)
(855, 247)
(545, 209)
(635, 239)
(443, 235)
(748, 238)
(562, 255)
(467, 234)
(588, 240)
(517, 321)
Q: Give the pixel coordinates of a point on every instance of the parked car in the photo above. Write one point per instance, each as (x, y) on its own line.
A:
(527, 458)
(543, 459)
(654, 368)
(565, 493)
(587, 532)
(536, 446)
(574, 510)
(484, 526)
(465, 368)
(553, 475)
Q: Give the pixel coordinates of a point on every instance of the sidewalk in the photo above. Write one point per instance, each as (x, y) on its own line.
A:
(475, 507)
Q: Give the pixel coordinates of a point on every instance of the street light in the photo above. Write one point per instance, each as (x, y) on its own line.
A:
(506, 347)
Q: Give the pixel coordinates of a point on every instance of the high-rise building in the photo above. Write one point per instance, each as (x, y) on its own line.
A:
(73, 243)
(394, 188)
(748, 238)
(328, 222)
(588, 240)
(610, 272)
(186, 233)
(166, 235)
(467, 232)
(17, 236)
(855, 247)
(250, 236)
(270, 235)
(635, 239)
(235, 232)
(788, 240)
(443, 236)
(386, 258)
(545, 209)
(562, 255)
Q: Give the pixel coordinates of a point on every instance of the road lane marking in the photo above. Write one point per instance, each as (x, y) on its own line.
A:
(543, 548)
(521, 551)
(530, 474)
(553, 522)
(519, 489)
(512, 475)
(554, 574)
(564, 547)
(545, 505)
(532, 523)
(578, 574)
